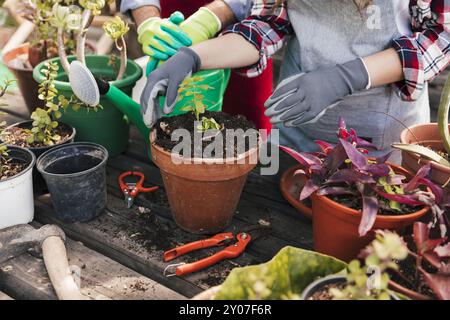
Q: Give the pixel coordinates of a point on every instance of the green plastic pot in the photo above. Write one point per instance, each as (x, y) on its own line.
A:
(108, 126)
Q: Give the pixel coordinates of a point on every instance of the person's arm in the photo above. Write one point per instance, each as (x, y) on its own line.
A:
(249, 43)
(143, 13)
(140, 10)
(383, 68)
(426, 53)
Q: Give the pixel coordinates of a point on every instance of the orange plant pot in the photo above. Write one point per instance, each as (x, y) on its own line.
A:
(335, 226)
(428, 136)
(202, 196)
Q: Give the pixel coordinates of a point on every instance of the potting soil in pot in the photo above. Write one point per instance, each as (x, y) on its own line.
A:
(18, 136)
(11, 168)
(166, 126)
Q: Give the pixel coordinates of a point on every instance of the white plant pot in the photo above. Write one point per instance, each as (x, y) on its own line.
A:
(16, 193)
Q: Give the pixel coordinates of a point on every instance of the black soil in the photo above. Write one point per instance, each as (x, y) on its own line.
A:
(18, 137)
(324, 292)
(356, 204)
(165, 126)
(11, 168)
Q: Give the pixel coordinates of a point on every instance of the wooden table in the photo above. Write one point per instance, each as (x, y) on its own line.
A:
(119, 254)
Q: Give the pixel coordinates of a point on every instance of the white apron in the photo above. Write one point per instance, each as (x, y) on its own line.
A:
(329, 32)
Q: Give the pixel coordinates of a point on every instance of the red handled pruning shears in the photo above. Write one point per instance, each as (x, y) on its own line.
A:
(132, 189)
(235, 247)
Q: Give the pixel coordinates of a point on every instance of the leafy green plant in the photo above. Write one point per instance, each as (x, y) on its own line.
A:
(44, 127)
(195, 102)
(116, 28)
(381, 255)
(283, 277)
(41, 13)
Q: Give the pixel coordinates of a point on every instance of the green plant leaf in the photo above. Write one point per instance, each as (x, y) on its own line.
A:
(285, 276)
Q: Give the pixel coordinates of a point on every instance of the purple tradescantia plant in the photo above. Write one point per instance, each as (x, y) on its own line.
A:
(345, 169)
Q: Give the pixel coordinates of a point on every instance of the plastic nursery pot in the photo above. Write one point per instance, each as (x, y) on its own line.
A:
(203, 194)
(76, 177)
(335, 226)
(319, 285)
(108, 126)
(291, 185)
(16, 193)
(27, 85)
(428, 136)
(39, 185)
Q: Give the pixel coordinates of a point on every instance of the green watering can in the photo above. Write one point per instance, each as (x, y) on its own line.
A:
(89, 90)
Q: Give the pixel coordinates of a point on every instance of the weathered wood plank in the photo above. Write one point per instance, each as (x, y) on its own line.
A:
(138, 241)
(25, 277)
(286, 222)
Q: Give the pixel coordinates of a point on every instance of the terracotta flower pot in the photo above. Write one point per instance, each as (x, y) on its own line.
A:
(27, 85)
(335, 226)
(291, 186)
(203, 196)
(428, 136)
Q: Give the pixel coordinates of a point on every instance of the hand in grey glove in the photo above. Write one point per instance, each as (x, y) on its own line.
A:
(305, 97)
(165, 81)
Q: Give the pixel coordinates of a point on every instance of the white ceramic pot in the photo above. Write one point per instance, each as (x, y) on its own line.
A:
(16, 193)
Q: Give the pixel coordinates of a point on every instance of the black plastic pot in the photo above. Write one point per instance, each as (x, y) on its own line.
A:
(39, 185)
(76, 178)
(333, 279)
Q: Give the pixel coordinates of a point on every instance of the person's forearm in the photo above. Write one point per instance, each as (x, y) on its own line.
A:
(228, 51)
(384, 67)
(143, 13)
(222, 11)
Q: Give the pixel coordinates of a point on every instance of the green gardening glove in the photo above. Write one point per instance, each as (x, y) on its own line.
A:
(199, 27)
(161, 38)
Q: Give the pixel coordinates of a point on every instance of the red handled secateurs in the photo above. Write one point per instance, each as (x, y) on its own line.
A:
(132, 189)
(235, 246)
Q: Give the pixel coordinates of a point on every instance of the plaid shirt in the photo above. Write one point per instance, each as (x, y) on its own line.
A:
(423, 55)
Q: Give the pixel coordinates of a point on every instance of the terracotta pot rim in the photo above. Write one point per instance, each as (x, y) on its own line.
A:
(8, 64)
(343, 210)
(297, 204)
(434, 164)
(200, 161)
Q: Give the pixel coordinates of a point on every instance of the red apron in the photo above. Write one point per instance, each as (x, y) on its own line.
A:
(244, 96)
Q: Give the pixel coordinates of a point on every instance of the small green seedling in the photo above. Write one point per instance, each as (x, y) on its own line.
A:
(44, 127)
(380, 256)
(195, 103)
(116, 28)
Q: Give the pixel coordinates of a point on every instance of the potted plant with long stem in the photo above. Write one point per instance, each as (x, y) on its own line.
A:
(106, 126)
(353, 193)
(42, 46)
(43, 131)
(204, 180)
(16, 186)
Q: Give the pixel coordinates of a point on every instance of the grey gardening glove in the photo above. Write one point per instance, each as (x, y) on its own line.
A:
(305, 97)
(165, 81)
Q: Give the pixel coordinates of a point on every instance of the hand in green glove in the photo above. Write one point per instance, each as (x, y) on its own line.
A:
(199, 27)
(161, 38)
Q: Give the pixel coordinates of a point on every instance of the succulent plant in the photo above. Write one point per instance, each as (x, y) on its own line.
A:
(116, 28)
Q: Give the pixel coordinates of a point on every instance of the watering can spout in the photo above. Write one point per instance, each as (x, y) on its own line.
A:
(130, 108)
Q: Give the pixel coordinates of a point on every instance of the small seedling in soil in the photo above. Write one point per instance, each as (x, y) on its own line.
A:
(380, 256)
(45, 130)
(195, 103)
(116, 28)
(8, 168)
